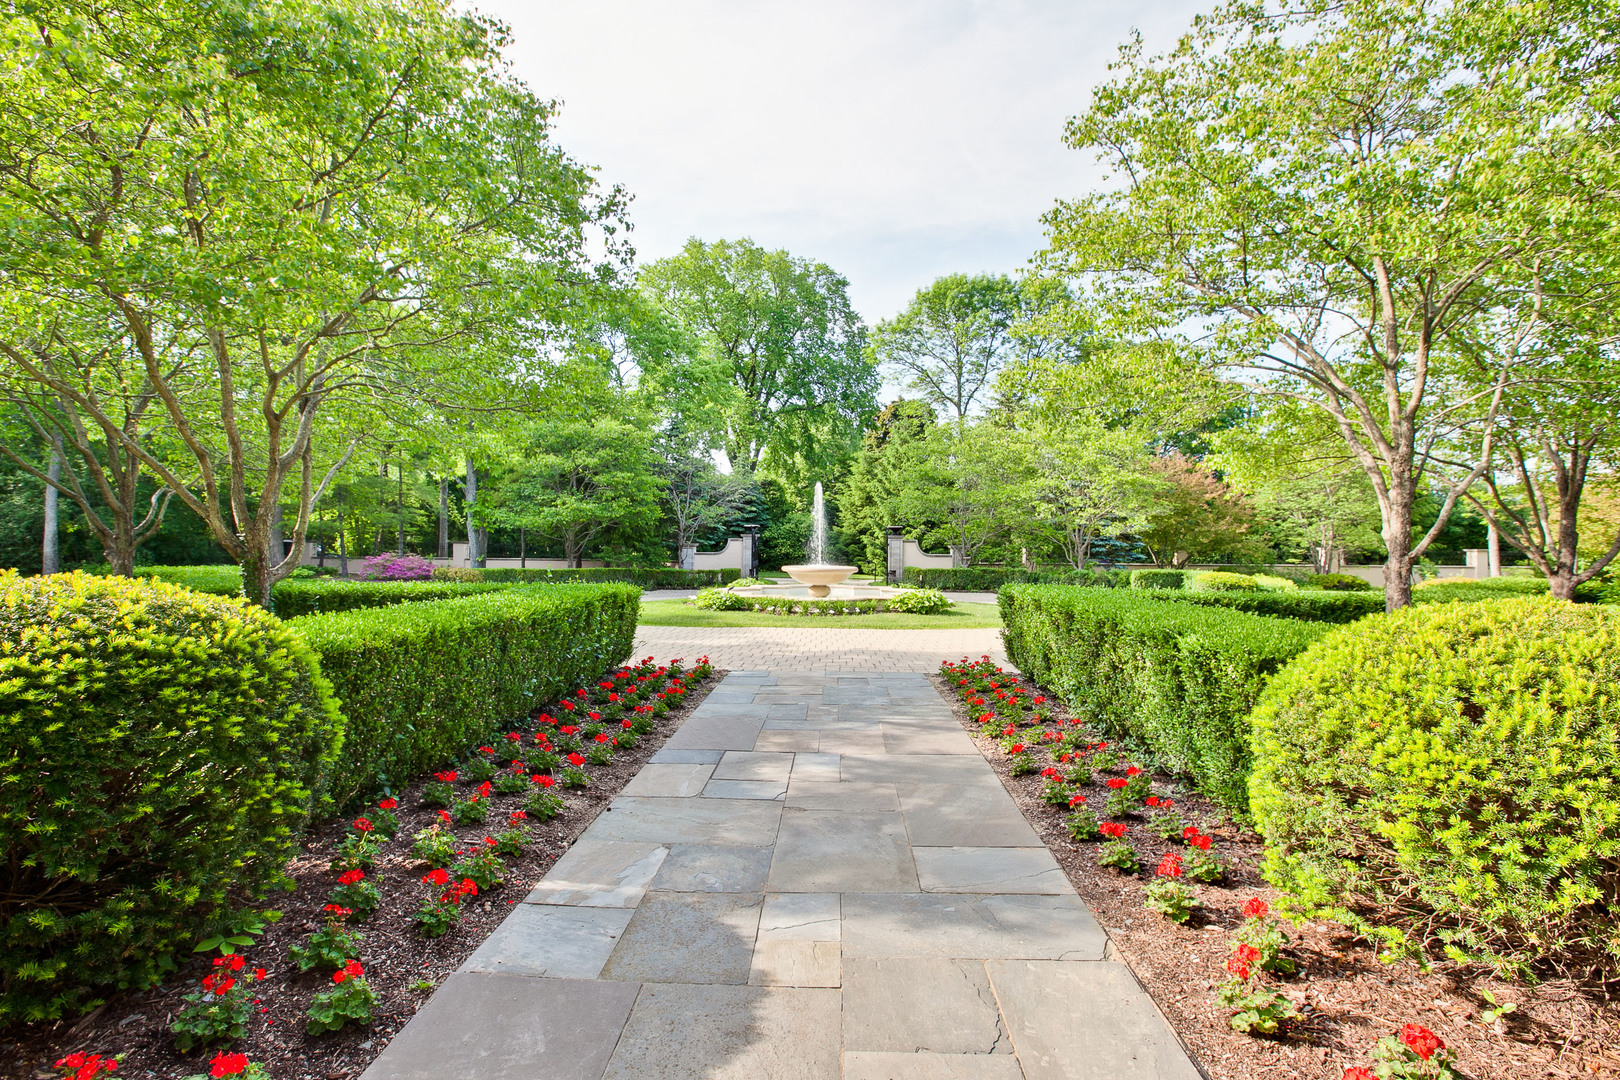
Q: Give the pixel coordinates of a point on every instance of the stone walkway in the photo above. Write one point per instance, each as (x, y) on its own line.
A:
(817, 877)
(817, 650)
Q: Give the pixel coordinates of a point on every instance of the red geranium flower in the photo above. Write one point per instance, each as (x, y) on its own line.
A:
(1357, 1073)
(441, 876)
(594, 715)
(228, 1065)
(447, 777)
(1169, 866)
(1117, 782)
(444, 816)
(1202, 843)
(601, 738)
(387, 804)
(363, 825)
(519, 815)
(349, 877)
(1255, 908)
(575, 760)
(543, 781)
(1189, 832)
(1421, 1041)
(1133, 771)
(1112, 828)
(1078, 800)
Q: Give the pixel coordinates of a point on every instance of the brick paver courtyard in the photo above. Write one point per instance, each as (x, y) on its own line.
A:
(817, 877)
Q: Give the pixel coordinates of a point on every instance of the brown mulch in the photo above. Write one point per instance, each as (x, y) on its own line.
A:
(401, 965)
(1349, 999)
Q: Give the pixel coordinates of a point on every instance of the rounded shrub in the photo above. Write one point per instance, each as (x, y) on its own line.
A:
(1158, 579)
(1338, 583)
(1273, 583)
(160, 750)
(1444, 780)
(918, 602)
(1221, 581)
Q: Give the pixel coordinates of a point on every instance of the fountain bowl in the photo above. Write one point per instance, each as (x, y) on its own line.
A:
(819, 577)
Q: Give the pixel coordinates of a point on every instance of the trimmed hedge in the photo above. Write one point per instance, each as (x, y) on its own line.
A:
(1179, 677)
(991, 578)
(1220, 581)
(1444, 779)
(910, 601)
(1338, 583)
(1471, 590)
(418, 683)
(1158, 579)
(1326, 607)
(160, 749)
(648, 577)
(306, 596)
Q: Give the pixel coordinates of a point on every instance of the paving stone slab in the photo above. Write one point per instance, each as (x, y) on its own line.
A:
(913, 739)
(546, 939)
(978, 814)
(688, 938)
(989, 870)
(796, 963)
(869, 1065)
(855, 695)
(717, 732)
(799, 741)
(726, 822)
(881, 767)
(707, 868)
(669, 781)
(1088, 1021)
(600, 873)
(817, 768)
(840, 851)
(787, 710)
(921, 1004)
(863, 743)
(750, 765)
(745, 789)
(482, 1027)
(801, 917)
(729, 1033)
(666, 756)
(819, 795)
(961, 925)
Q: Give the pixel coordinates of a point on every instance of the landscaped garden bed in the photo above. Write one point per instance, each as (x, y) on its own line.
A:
(505, 822)
(1341, 1001)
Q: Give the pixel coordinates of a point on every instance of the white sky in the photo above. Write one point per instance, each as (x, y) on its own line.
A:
(895, 141)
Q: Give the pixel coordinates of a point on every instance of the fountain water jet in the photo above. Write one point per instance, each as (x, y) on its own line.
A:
(818, 574)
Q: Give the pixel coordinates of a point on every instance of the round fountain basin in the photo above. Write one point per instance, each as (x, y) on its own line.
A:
(820, 577)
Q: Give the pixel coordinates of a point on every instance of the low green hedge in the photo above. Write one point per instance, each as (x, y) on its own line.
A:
(653, 577)
(292, 597)
(1158, 579)
(991, 578)
(1472, 590)
(1179, 677)
(1338, 583)
(1220, 581)
(160, 749)
(224, 580)
(1444, 779)
(1311, 606)
(418, 683)
(910, 601)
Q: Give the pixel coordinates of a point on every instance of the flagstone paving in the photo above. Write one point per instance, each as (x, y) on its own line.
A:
(817, 878)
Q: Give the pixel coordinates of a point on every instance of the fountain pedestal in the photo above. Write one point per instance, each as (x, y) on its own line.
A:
(820, 578)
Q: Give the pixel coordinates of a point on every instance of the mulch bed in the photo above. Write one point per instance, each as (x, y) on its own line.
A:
(1348, 998)
(401, 965)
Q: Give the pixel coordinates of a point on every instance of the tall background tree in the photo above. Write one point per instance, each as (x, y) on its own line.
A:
(342, 209)
(1322, 200)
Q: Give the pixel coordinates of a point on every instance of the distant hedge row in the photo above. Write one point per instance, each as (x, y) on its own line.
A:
(648, 577)
(161, 748)
(1180, 677)
(991, 578)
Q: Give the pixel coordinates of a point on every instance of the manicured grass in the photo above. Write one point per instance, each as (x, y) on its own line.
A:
(680, 613)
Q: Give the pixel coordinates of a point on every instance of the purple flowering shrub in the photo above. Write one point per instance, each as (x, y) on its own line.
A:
(391, 567)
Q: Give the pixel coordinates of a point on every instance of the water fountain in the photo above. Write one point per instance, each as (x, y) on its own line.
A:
(818, 574)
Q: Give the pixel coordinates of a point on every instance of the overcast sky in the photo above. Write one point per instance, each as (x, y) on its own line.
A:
(896, 141)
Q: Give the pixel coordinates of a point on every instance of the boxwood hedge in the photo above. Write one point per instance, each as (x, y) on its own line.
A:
(1179, 677)
(306, 596)
(648, 577)
(1444, 779)
(160, 749)
(1327, 607)
(991, 578)
(418, 683)
(1158, 579)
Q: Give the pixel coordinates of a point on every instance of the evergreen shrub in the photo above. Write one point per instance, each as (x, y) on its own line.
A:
(1473, 590)
(1181, 678)
(991, 578)
(1444, 779)
(648, 577)
(1338, 583)
(301, 595)
(1158, 579)
(1220, 581)
(160, 749)
(419, 683)
(1309, 605)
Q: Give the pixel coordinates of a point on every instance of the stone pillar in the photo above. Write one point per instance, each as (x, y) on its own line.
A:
(750, 553)
(1478, 561)
(688, 557)
(897, 554)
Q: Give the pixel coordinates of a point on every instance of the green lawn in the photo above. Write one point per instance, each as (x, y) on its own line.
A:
(680, 613)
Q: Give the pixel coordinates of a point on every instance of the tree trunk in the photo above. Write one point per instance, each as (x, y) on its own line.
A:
(49, 560)
(1398, 543)
(343, 548)
(444, 517)
(475, 556)
(523, 548)
(256, 567)
(276, 544)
